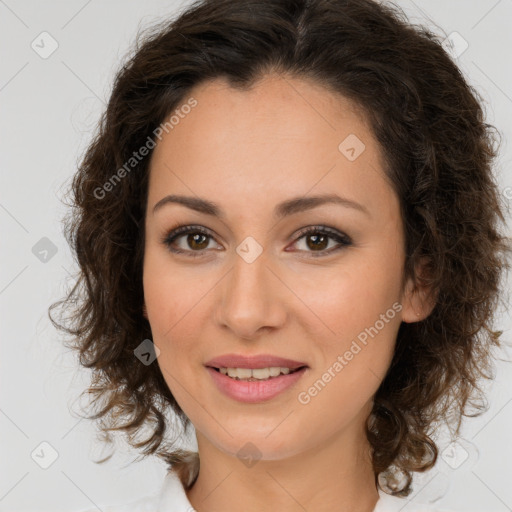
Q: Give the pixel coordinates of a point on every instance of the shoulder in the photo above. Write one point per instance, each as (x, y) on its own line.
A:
(145, 504)
(388, 503)
(172, 498)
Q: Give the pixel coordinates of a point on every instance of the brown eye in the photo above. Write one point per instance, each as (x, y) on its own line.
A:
(196, 240)
(317, 240)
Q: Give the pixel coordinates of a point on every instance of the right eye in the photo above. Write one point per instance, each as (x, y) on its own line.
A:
(196, 237)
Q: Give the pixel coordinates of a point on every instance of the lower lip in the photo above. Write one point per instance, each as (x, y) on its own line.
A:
(254, 391)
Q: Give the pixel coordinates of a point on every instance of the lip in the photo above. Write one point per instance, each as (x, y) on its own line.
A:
(254, 391)
(256, 361)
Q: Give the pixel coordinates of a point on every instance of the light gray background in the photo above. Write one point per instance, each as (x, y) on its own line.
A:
(49, 108)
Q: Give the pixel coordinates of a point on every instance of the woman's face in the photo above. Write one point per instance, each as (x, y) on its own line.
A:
(255, 284)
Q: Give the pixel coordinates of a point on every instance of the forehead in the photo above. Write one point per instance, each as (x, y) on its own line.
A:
(283, 136)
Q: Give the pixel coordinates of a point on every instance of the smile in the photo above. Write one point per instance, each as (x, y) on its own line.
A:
(251, 374)
(254, 385)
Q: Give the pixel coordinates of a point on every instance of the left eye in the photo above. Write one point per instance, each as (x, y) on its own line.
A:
(316, 238)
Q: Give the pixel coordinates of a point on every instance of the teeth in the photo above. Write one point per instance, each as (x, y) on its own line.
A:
(256, 373)
(275, 371)
(241, 373)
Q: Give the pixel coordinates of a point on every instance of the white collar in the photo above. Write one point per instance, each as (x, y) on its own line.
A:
(174, 499)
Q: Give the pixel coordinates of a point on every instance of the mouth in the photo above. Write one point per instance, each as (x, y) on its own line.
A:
(256, 374)
(254, 378)
(255, 385)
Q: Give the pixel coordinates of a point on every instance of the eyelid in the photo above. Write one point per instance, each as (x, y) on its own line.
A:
(313, 228)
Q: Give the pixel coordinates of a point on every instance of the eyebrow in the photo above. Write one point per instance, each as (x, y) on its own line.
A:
(284, 209)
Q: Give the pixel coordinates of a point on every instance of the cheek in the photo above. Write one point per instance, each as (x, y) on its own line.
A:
(360, 306)
(349, 298)
(175, 301)
(170, 294)
(340, 388)
(171, 317)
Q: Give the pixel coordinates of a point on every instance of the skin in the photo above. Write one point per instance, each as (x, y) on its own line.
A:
(247, 151)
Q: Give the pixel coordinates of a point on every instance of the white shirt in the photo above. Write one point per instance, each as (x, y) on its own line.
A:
(172, 498)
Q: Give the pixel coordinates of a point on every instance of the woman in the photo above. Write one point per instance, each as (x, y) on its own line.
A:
(288, 234)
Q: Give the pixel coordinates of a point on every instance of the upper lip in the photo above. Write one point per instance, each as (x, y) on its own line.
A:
(256, 361)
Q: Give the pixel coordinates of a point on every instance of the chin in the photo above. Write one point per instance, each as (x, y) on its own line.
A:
(252, 449)
(267, 441)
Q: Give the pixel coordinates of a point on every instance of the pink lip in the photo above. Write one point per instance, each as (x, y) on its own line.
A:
(254, 391)
(259, 361)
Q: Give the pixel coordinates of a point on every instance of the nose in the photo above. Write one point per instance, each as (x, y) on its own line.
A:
(251, 299)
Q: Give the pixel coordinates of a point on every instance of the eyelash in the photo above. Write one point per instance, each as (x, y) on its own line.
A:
(174, 234)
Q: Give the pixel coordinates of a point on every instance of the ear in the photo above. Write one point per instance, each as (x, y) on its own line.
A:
(418, 298)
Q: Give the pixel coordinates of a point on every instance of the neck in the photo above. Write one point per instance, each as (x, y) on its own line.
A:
(334, 476)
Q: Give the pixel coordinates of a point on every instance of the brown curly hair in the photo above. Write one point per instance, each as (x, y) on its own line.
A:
(439, 155)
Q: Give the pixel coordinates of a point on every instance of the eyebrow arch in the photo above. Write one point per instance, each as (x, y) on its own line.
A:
(284, 209)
